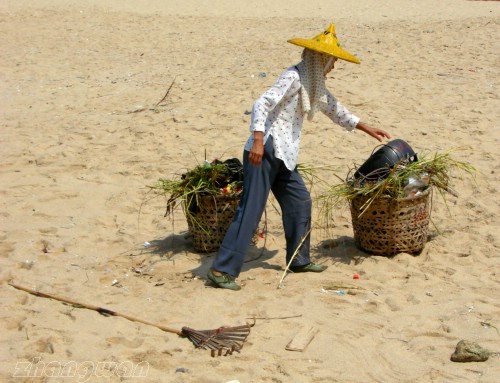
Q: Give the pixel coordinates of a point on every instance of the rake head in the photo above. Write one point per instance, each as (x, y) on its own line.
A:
(221, 341)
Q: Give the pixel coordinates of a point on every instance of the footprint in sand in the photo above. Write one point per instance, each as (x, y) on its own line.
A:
(130, 343)
(159, 360)
(14, 322)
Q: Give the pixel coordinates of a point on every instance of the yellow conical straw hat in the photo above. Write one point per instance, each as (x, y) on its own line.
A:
(326, 42)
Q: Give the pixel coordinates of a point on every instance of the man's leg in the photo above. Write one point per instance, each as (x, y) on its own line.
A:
(257, 184)
(296, 205)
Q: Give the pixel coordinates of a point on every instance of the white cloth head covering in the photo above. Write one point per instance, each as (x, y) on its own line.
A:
(312, 71)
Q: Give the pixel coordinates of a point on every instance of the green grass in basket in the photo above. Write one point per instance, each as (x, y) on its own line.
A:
(437, 166)
(205, 179)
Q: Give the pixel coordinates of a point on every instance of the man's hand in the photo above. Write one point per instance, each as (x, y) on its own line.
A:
(257, 151)
(376, 133)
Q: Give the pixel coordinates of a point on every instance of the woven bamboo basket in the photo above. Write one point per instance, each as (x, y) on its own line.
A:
(208, 225)
(392, 226)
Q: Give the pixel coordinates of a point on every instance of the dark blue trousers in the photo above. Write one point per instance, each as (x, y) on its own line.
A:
(295, 203)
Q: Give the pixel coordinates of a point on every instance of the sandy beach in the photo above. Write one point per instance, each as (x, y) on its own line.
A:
(85, 130)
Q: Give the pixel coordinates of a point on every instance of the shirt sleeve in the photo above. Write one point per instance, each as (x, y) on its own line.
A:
(339, 113)
(268, 101)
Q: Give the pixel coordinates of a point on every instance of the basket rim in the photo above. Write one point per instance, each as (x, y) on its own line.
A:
(423, 194)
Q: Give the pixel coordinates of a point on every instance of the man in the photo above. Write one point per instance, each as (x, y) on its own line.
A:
(271, 153)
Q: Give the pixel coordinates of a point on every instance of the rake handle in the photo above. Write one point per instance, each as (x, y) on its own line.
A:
(100, 310)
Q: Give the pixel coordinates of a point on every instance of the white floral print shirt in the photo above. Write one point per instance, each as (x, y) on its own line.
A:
(278, 112)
